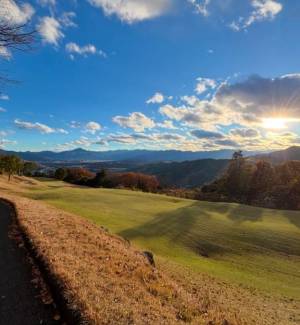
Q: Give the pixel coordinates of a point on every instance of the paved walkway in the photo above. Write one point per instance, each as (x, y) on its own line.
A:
(18, 302)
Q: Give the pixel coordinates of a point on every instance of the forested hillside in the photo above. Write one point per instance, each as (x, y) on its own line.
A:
(257, 183)
(187, 173)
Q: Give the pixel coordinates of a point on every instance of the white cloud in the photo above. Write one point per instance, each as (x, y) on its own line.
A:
(66, 19)
(167, 124)
(120, 138)
(14, 14)
(201, 6)
(205, 84)
(168, 137)
(143, 138)
(50, 29)
(258, 98)
(2, 110)
(131, 11)
(4, 142)
(62, 131)
(204, 134)
(246, 103)
(3, 133)
(190, 100)
(82, 141)
(263, 10)
(5, 52)
(42, 128)
(84, 51)
(157, 98)
(245, 133)
(92, 127)
(136, 121)
(4, 97)
(75, 125)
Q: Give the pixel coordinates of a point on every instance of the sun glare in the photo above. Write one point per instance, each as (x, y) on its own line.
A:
(274, 123)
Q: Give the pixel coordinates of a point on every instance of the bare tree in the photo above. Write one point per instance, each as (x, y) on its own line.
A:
(15, 37)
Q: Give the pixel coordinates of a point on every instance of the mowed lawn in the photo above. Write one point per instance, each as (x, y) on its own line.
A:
(259, 248)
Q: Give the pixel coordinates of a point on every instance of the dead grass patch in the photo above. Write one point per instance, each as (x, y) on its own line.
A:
(102, 277)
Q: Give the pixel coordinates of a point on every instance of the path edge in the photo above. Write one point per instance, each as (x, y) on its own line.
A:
(69, 315)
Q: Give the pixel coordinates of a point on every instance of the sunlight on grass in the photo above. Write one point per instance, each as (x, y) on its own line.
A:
(257, 247)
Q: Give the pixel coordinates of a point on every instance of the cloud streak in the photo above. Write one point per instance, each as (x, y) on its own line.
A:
(40, 127)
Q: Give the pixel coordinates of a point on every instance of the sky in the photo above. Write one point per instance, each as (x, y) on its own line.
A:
(152, 74)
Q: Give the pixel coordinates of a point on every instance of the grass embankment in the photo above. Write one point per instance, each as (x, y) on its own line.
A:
(103, 278)
(254, 247)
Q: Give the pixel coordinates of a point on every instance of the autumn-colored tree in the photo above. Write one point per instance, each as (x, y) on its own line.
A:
(79, 175)
(140, 181)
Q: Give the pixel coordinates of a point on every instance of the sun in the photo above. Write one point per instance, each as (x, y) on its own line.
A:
(274, 123)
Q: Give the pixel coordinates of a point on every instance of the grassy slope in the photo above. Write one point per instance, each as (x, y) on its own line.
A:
(256, 247)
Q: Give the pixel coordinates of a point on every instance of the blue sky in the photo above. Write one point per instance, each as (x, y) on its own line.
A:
(159, 74)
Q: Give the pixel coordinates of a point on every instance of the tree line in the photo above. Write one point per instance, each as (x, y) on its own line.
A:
(106, 179)
(257, 183)
(12, 165)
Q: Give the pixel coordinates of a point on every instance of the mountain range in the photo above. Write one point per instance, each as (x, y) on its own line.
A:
(281, 156)
(173, 168)
(145, 156)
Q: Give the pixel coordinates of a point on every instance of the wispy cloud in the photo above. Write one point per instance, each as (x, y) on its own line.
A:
(86, 50)
(40, 127)
(5, 142)
(5, 53)
(157, 98)
(204, 84)
(50, 30)
(263, 10)
(92, 127)
(4, 97)
(201, 6)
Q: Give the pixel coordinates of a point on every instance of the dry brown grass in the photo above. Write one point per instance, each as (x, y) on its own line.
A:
(108, 281)
(101, 276)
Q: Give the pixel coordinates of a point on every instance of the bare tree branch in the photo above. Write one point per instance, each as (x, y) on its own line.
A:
(13, 37)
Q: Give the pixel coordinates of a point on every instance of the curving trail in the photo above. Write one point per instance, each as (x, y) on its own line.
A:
(18, 302)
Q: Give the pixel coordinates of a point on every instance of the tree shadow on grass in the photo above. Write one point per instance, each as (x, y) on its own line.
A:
(200, 227)
(178, 227)
(294, 218)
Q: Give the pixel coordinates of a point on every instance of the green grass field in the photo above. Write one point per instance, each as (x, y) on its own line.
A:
(256, 247)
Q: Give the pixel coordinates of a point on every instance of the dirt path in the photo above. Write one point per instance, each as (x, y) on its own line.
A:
(19, 304)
